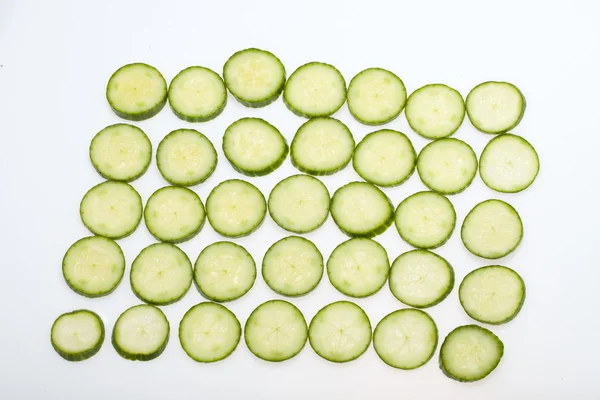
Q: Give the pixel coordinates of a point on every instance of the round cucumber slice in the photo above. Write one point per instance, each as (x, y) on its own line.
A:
(492, 229)
(121, 152)
(161, 274)
(141, 333)
(111, 209)
(276, 331)
(435, 111)
(299, 203)
(425, 220)
(385, 158)
(376, 96)
(197, 94)
(174, 214)
(94, 266)
(185, 157)
(315, 90)
(254, 77)
(293, 266)
(358, 267)
(209, 332)
(493, 294)
(77, 335)
(136, 92)
(495, 107)
(254, 147)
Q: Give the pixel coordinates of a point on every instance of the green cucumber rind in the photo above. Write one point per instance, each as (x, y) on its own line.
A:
(504, 321)
(518, 120)
(499, 343)
(260, 103)
(84, 355)
(205, 118)
(140, 357)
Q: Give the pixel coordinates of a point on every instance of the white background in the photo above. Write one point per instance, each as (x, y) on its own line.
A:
(55, 60)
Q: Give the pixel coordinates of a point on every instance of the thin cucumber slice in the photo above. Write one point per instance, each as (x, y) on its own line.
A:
(293, 266)
(315, 89)
(185, 157)
(141, 333)
(493, 294)
(254, 77)
(197, 94)
(209, 332)
(376, 96)
(275, 331)
(360, 209)
(447, 165)
(508, 164)
(299, 203)
(224, 271)
(235, 208)
(358, 267)
(136, 92)
(111, 209)
(77, 335)
(93, 266)
(254, 147)
(174, 214)
(420, 278)
(435, 111)
(322, 146)
(495, 107)
(405, 339)
(425, 220)
(340, 332)
(492, 229)
(384, 158)
(121, 152)
(161, 274)
(470, 353)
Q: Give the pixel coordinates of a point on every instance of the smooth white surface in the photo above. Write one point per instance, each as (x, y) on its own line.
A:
(55, 60)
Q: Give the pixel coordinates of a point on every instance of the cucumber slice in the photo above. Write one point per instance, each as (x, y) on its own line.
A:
(197, 94)
(405, 339)
(121, 152)
(141, 333)
(254, 147)
(174, 214)
(360, 209)
(209, 332)
(385, 158)
(322, 146)
(376, 96)
(93, 266)
(161, 274)
(185, 157)
(493, 294)
(358, 267)
(340, 332)
(111, 209)
(435, 111)
(420, 278)
(136, 92)
(508, 164)
(235, 208)
(224, 271)
(77, 335)
(275, 331)
(254, 77)
(293, 266)
(299, 203)
(470, 353)
(425, 220)
(447, 166)
(492, 229)
(495, 107)
(315, 89)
